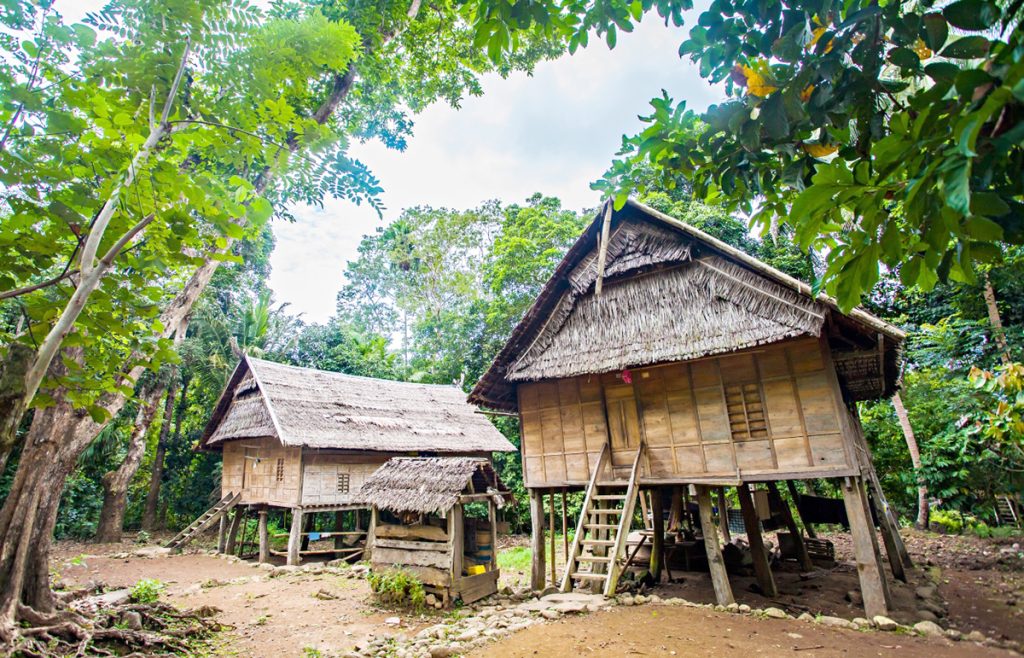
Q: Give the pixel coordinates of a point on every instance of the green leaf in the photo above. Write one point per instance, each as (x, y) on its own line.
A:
(967, 48)
(905, 58)
(98, 414)
(942, 71)
(989, 204)
(957, 185)
(936, 31)
(973, 15)
(981, 228)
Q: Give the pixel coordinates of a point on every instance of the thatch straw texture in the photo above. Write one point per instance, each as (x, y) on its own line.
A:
(428, 485)
(701, 308)
(672, 292)
(318, 409)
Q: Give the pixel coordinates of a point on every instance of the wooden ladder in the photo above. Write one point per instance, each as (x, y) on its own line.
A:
(1005, 512)
(600, 539)
(208, 518)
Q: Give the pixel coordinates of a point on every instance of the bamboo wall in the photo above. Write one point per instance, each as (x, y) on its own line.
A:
(755, 415)
(332, 479)
(274, 479)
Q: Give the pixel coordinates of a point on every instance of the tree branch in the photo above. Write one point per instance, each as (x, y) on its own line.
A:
(17, 292)
(108, 258)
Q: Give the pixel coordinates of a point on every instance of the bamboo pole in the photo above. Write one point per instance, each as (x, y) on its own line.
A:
(551, 532)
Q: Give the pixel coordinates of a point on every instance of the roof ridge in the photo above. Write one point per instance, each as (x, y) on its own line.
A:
(345, 375)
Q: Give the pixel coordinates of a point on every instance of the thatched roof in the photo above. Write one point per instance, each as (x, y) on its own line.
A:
(430, 485)
(673, 293)
(329, 410)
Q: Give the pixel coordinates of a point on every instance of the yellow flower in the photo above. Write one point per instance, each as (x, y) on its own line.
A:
(820, 150)
(805, 95)
(757, 83)
(922, 50)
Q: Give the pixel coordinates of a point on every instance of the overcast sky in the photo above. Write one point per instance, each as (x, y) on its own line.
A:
(553, 132)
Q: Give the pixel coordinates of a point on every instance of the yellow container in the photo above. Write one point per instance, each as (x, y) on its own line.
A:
(476, 569)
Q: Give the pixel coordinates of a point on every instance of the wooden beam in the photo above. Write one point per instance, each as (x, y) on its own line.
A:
(537, 540)
(723, 515)
(802, 555)
(236, 523)
(719, 577)
(675, 514)
(456, 541)
(264, 538)
(796, 501)
(222, 533)
(758, 552)
(339, 527)
(565, 529)
(492, 515)
(295, 538)
(658, 527)
(551, 533)
(873, 586)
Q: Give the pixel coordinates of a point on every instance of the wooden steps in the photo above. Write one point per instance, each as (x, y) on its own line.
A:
(600, 540)
(205, 520)
(1006, 514)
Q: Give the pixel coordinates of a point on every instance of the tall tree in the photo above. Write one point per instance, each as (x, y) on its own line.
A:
(227, 159)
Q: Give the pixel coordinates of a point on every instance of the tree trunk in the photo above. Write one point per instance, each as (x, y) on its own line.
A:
(149, 515)
(915, 457)
(115, 483)
(12, 388)
(998, 333)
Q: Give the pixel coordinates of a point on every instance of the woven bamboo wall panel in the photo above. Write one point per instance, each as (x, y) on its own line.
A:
(262, 470)
(766, 410)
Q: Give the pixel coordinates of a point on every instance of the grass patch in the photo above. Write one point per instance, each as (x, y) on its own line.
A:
(516, 558)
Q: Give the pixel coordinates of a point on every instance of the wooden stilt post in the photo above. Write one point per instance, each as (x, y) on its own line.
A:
(719, 578)
(675, 514)
(723, 515)
(492, 515)
(802, 556)
(551, 533)
(658, 528)
(236, 523)
(222, 533)
(795, 495)
(264, 538)
(565, 529)
(295, 537)
(456, 536)
(873, 586)
(339, 526)
(758, 552)
(537, 571)
(307, 528)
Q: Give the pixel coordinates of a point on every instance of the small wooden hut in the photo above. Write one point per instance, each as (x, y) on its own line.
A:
(304, 441)
(658, 356)
(424, 522)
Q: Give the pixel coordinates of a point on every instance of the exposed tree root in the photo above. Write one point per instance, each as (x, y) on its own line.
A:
(157, 630)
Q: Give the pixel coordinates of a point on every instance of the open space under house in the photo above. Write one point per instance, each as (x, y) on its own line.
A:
(301, 442)
(659, 363)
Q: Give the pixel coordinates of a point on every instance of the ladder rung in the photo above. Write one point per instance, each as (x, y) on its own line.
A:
(599, 542)
(600, 526)
(609, 497)
(589, 576)
(606, 511)
(593, 558)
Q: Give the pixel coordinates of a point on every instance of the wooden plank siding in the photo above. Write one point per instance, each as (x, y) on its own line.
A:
(751, 415)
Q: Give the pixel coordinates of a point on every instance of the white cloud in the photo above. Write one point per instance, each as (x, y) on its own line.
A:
(554, 132)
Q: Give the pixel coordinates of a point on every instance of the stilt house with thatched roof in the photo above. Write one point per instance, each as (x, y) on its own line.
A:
(656, 357)
(436, 517)
(304, 441)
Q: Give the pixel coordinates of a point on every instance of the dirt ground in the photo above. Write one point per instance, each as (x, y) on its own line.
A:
(283, 616)
(982, 583)
(675, 631)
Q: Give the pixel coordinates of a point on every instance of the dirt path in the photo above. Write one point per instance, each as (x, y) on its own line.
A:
(281, 616)
(683, 631)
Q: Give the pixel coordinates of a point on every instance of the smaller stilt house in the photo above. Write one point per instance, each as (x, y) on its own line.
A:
(436, 517)
(302, 442)
(658, 359)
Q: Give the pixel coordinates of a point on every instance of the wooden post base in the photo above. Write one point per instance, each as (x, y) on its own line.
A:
(264, 538)
(873, 586)
(758, 553)
(537, 575)
(716, 565)
(295, 538)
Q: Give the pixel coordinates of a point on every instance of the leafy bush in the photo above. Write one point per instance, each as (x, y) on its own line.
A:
(146, 590)
(946, 522)
(397, 587)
